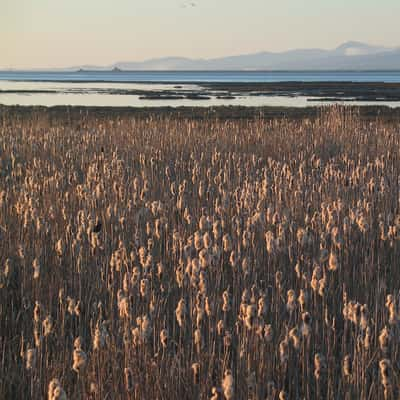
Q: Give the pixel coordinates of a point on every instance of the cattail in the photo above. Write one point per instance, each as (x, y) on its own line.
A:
(336, 239)
(100, 335)
(55, 391)
(216, 230)
(226, 305)
(198, 241)
(198, 340)
(8, 269)
(37, 335)
(306, 325)
(196, 373)
(21, 252)
(205, 258)
(227, 243)
(322, 286)
(37, 312)
(246, 267)
(227, 339)
(367, 338)
(79, 357)
(282, 395)
(347, 367)
(291, 301)
(333, 263)
(214, 394)
(385, 371)
(47, 326)
(208, 307)
(228, 385)
(251, 312)
(294, 337)
(284, 351)
(303, 238)
(36, 268)
(220, 327)
(389, 301)
(144, 287)
(319, 365)
(203, 282)
(160, 270)
(180, 312)
(270, 242)
(3, 198)
(364, 316)
(385, 339)
(135, 276)
(77, 309)
(129, 383)
(123, 305)
(268, 333)
(297, 269)
(95, 242)
(207, 241)
(391, 306)
(233, 259)
(315, 279)
(164, 338)
(71, 305)
(302, 299)
(145, 328)
(203, 223)
(278, 280)
(30, 359)
(60, 248)
(94, 389)
(262, 307)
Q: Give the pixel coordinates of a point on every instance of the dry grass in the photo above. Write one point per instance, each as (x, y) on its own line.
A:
(178, 259)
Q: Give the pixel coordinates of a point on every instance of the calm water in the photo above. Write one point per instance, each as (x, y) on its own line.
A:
(95, 88)
(205, 76)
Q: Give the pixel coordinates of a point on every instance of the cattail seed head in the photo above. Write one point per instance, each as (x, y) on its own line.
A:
(180, 312)
(79, 356)
(228, 385)
(319, 365)
(129, 383)
(30, 359)
(55, 391)
(196, 373)
(164, 338)
(385, 371)
(36, 268)
(47, 326)
(385, 339)
(347, 366)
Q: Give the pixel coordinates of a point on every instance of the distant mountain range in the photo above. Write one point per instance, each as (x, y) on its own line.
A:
(348, 56)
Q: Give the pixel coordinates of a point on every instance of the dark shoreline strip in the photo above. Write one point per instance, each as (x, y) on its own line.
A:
(72, 114)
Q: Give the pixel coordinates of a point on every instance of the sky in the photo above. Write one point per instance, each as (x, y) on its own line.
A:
(60, 33)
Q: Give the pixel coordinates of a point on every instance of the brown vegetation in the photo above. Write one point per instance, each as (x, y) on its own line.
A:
(161, 258)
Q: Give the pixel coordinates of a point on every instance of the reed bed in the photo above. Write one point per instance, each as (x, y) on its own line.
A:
(162, 258)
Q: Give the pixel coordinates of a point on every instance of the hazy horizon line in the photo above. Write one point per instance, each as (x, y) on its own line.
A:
(199, 58)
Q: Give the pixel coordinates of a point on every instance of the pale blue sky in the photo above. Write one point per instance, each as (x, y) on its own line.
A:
(50, 33)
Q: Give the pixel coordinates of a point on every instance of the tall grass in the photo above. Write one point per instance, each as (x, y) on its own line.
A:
(166, 258)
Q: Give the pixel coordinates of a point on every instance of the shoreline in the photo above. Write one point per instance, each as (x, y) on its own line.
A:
(323, 92)
(71, 113)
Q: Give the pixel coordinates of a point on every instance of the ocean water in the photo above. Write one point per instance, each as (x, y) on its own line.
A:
(107, 88)
(203, 76)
